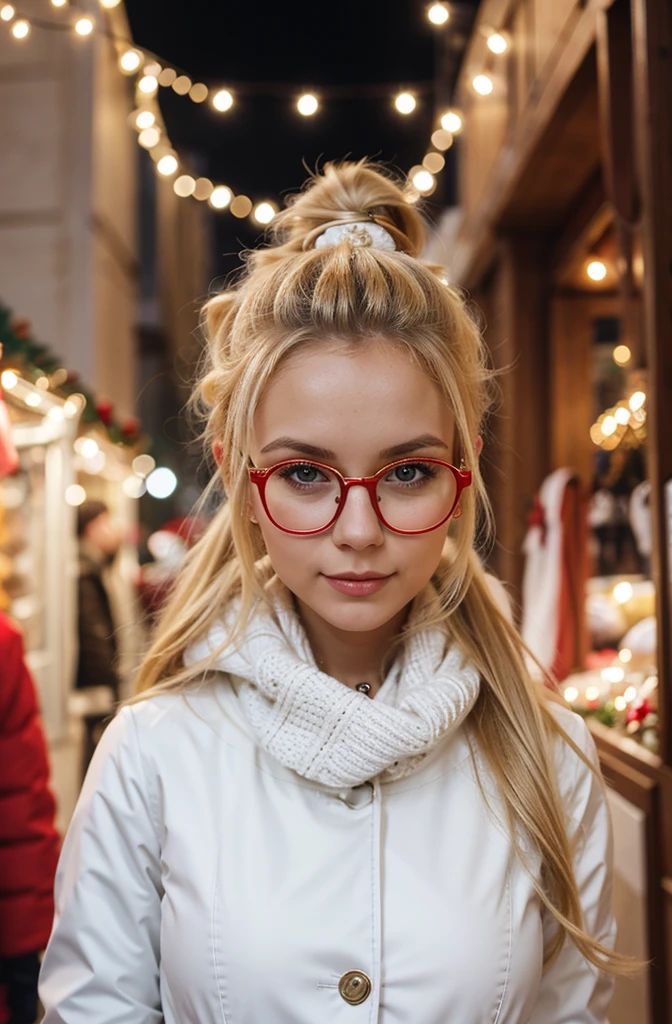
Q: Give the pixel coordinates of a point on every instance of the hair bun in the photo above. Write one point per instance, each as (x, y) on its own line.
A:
(349, 193)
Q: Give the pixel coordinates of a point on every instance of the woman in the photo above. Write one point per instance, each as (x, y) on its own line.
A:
(339, 796)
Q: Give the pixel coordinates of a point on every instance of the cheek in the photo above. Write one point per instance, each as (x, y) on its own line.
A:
(419, 556)
(291, 557)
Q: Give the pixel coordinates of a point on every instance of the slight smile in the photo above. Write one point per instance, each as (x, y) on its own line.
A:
(358, 584)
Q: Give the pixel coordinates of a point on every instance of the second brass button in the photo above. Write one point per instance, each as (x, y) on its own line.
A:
(355, 987)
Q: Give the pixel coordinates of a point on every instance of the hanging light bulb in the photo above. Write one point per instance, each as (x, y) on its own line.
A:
(75, 495)
(241, 206)
(130, 61)
(438, 14)
(161, 482)
(596, 270)
(134, 487)
(184, 185)
(58, 3)
(182, 85)
(637, 400)
(434, 162)
(144, 119)
(167, 76)
(441, 139)
(167, 165)
(7, 12)
(143, 465)
(483, 84)
(451, 122)
(622, 355)
(84, 26)
(220, 197)
(623, 592)
(148, 84)
(405, 103)
(222, 100)
(497, 43)
(264, 213)
(149, 137)
(198, 93)
(20, 29)
(203, 189)
(307, 105)
(109, 4)
(423, 181)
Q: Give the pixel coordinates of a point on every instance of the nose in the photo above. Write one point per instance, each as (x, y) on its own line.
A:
(358, 526)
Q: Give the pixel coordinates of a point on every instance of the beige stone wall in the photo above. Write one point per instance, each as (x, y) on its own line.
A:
(67, 201)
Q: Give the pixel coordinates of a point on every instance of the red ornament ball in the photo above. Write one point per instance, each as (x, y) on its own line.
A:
(130, 427)
(104, 410)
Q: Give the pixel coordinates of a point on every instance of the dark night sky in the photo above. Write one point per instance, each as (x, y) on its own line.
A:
(259, 146)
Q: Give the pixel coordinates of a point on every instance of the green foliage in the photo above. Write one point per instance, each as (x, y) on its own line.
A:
(21, 351)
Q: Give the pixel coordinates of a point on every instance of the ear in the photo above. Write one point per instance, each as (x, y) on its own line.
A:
(479, 446)
(218, 452)
(457, 513)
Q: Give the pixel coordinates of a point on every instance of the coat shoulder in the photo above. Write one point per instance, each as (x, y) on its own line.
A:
(167, 722)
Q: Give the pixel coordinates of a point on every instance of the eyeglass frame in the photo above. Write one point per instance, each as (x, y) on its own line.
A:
(260, 477)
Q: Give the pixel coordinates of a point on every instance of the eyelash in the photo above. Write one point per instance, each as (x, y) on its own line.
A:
(425, 468)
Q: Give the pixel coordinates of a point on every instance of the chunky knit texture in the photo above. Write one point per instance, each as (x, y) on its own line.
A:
(324, 730)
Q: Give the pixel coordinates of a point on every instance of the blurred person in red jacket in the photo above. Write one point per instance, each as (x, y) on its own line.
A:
(29, 843)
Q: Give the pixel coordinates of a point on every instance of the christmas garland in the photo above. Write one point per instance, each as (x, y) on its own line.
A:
(34, 360)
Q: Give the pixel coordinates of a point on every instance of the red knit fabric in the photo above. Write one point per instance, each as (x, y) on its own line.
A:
(29, 843)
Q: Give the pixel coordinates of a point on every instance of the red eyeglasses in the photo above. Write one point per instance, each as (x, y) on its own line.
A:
(410, 496)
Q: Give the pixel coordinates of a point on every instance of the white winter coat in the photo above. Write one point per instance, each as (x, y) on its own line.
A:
(201, 881)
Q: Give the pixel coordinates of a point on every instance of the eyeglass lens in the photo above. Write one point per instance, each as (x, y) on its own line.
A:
(412, 496)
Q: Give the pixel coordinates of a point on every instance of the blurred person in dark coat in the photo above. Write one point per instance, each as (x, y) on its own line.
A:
(99, 541)
(97, 677)
(29, 842)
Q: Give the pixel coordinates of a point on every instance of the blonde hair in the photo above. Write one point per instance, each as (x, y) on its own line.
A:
(291, 296)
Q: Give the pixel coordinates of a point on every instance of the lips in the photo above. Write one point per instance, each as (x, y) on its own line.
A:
(359, 585)
(360, 576)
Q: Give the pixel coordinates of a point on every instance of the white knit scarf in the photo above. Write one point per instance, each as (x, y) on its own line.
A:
(324, 730)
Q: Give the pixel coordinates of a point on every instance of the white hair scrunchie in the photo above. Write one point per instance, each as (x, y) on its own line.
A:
(366, 234)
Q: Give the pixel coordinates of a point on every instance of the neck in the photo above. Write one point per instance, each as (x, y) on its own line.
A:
(351, 656)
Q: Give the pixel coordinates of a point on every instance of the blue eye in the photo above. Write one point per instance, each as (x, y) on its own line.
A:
(412, 473)
(302, 473)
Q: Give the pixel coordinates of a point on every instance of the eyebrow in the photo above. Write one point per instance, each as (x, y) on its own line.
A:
(405, 448)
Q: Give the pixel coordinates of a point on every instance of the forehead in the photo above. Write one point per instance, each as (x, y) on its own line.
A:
(369, 394)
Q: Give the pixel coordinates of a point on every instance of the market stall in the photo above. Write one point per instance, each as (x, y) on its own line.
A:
(38, 558)
(564, 241)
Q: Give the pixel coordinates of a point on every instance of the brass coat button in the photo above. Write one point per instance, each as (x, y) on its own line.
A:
(355, 987)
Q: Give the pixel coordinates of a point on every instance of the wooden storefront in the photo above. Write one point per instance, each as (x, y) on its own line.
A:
(569, 160)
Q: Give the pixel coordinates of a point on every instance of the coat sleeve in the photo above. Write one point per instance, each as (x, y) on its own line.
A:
(102, 961)
(573, 991)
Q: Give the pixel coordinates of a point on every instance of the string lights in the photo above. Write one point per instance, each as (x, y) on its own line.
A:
(438, 14)
(152, 74)
(497, 43)
(307, 105)
(596, 270)
(483, 84)
(405, 103)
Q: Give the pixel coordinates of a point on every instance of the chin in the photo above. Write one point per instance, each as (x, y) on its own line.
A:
(356, 615)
